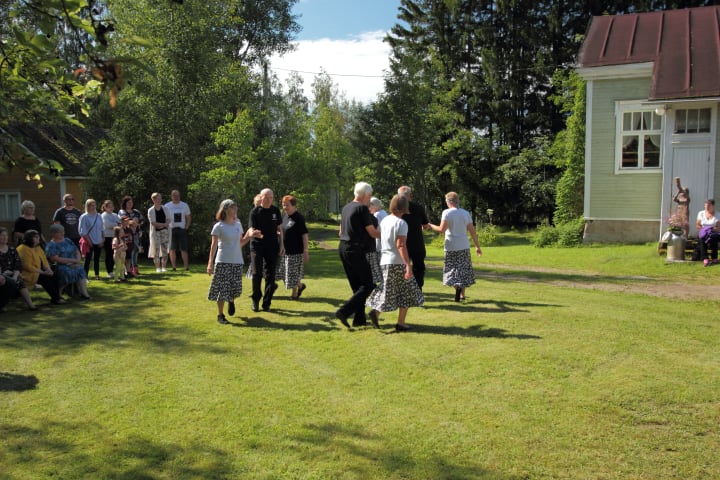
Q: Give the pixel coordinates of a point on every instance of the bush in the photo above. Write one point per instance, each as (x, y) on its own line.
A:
(568, 234)
(487, 235)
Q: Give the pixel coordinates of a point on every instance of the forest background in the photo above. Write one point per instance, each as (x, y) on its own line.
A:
(480, 98)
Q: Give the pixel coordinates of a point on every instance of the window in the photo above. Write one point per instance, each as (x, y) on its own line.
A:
(9, 206)
(641, 136)
(696, 120)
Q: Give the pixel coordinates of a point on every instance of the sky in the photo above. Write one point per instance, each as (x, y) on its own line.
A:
(343, 38)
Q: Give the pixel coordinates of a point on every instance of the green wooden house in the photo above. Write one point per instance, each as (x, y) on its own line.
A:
(653, 89)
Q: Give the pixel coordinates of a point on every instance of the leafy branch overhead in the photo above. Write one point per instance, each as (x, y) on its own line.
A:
(53, 63)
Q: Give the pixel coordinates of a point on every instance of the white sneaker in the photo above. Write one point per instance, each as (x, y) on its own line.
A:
(158, 270)
(163, 270)
(110, 275)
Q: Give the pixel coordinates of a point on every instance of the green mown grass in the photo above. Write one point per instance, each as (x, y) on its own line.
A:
(526, 379)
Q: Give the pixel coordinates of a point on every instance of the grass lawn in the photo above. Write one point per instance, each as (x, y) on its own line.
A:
(528, 379)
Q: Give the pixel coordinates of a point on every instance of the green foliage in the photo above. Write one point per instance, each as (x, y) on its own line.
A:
(568, 234)
(545, 236)
(488, 235)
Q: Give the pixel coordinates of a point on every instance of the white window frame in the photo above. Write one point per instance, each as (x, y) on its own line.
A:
(5, 214)
(637, 107)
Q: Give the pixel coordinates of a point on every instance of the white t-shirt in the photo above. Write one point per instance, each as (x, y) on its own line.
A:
(229, 235)
(456, 237)
(391, 228)
(178, 212)
(380, 215)
(706, 222)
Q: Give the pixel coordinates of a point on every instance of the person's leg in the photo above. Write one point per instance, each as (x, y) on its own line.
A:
(418, 266)
(185, 259)
(714, 248)
(88, 259)
(256, 259)
(109, 260)
(704, 251)
(25, 294)
(270, 260)
(96, 259)
(52, 287)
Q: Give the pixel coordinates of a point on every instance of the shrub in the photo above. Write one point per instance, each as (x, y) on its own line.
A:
(487, 235)
(568, 234)
(546, 236)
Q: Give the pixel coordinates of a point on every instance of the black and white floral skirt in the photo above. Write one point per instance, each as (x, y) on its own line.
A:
(291, 269)
(458, 270)
(226, 283)
(394, 291)
(373, 259)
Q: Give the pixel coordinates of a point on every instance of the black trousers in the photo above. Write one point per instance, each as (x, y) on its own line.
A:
(109, 260)
(417, 257)
(51, 284)
(359, 275)
(8, 291)
(712, 244)
(264, 265)
(94, 254)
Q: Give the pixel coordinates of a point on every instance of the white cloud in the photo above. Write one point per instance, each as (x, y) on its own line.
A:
(356, 65)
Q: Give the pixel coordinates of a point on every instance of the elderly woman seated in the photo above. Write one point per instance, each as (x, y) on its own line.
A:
(10, 267)
(63, 252)
(36, 268)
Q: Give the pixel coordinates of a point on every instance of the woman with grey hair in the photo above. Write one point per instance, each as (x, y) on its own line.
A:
(27, 221)
(455, 223)
(373, 255)
(63, 253)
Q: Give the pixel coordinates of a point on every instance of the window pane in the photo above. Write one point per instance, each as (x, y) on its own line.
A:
(651, 150)
(3, 207)
(657, 121)
(630, 151)
(680, 121)
(704, 124)
(692, 121)
(627, 121)
(637, 121)
(647, 121)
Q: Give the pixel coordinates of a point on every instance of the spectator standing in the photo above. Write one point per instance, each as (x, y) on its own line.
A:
(110, 220)
(127, 207)
(265, 248)
(456, 222)
(27, 221)
(295, 241)
(69, 217)
(375, 246)
(159, 219)
(91, 229)
(398, 290)
(417, 221)
(356, 228)
(180, 223)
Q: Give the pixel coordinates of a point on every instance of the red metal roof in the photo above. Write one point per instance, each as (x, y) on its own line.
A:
(683, 44)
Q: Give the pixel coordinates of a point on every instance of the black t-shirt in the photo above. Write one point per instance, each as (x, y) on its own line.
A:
(266, 220)
(160, 215)
(293, 227)
(370, 245)
(355, 217)
(415, 219)
(22, 225)
(70, 219)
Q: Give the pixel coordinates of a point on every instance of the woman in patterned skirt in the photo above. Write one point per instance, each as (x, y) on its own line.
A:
(225, 263)
(456, 222)
(291, 266)
(398, 290)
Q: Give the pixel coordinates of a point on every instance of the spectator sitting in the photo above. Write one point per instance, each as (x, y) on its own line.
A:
(36, 268)
(10, 265)
(63, 252)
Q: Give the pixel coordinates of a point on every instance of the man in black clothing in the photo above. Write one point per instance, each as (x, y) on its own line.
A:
(69, 217)
(264, 250)
(356, 228)
(417, 221)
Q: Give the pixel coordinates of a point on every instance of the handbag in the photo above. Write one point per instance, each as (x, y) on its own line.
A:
(84, 246)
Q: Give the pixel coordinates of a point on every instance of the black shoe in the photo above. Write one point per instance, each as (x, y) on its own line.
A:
(457, 294)
(374, 318)
(222, 320)
(342, 318)
(231, 308)
(401, 328)
(266, 307)
(300, 290)
(359, 323)
(254, 307)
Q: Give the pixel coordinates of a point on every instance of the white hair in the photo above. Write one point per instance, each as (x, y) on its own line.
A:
(362, 189)
(376, 202)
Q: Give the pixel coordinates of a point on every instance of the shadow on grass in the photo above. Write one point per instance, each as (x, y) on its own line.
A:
(51, 452)
(12, 382)
(116, 316)
(370, 456)
(477, 331)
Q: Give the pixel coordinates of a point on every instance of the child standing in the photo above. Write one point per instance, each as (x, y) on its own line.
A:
(119, 252)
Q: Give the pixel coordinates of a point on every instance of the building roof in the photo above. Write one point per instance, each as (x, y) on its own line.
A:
(684, 46)
(66, 146)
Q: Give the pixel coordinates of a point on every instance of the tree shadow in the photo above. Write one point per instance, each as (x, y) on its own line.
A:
(44, 453)
(372, 456)
(475, 331)
(13, 382)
